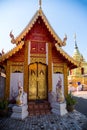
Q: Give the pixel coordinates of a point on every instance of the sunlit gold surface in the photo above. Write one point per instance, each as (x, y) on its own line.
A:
(37, 81)
(7, 90)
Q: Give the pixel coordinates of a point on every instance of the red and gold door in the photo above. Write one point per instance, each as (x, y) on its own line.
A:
(37, 81)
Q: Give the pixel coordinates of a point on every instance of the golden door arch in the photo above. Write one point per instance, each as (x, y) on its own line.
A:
(37, 81)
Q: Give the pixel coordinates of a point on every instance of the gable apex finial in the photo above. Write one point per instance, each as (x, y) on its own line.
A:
(40, 3)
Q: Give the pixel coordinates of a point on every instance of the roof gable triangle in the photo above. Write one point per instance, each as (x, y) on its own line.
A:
(39, 13)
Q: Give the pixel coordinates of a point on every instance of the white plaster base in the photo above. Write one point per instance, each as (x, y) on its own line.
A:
(59, 108)
(20, 112)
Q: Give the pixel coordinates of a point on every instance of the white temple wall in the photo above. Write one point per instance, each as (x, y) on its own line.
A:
(16, 79)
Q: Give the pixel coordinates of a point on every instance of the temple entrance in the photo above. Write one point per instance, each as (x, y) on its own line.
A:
(37, 81)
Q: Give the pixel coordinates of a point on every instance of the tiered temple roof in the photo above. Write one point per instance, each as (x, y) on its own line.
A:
(19, 41)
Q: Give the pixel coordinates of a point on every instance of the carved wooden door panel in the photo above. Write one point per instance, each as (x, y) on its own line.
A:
(37, 81)
(42, 81)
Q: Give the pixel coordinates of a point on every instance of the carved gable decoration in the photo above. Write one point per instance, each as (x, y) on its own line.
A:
(38, 48)
(39, 32)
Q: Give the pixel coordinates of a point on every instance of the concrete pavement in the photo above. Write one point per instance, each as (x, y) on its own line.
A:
(81, 97)
(70, 121)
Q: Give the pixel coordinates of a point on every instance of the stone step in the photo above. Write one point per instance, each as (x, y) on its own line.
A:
(39, 108)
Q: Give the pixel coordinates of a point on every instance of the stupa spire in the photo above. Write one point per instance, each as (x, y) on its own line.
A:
(76, 55)
(75, 41)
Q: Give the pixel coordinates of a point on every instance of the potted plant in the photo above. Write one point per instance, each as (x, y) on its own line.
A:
(70, 102)
(3, 107)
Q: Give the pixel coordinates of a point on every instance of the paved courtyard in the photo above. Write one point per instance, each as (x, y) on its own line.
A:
(70, 121)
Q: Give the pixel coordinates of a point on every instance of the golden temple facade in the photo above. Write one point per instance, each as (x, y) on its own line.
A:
(37, 56)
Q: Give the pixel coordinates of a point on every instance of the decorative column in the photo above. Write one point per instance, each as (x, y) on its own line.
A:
(49, 67)
(7, 90)
(26, 67)
(65, 80)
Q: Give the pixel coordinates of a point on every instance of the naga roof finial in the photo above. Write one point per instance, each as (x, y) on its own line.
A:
(12, 38)
(64, 40)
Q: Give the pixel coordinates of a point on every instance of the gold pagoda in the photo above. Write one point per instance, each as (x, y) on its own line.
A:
(78, 75)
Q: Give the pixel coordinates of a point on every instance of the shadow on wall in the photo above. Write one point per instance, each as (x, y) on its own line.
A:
(81, 105)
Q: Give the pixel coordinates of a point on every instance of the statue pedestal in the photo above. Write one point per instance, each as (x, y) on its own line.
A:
(59, 108)
(19, 112)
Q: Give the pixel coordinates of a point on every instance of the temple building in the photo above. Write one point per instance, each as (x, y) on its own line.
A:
(37, 61)
(78, 76)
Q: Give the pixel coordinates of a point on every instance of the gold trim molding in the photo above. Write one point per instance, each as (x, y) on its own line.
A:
(42, 60)
(38, 55)
(58, 68)
(16, 68)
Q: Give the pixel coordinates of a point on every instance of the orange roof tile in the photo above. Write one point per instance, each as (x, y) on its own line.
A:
(11, 52)
(67, 57)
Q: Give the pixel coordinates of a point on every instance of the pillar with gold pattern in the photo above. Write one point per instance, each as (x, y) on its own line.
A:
(65, 80)
(49, 67)
(26, 67)
(7, 90)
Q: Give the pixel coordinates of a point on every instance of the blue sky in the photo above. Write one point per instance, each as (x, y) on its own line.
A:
(65, 16)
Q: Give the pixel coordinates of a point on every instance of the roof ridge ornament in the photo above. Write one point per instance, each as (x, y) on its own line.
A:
(12, 38)
(64, 40)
